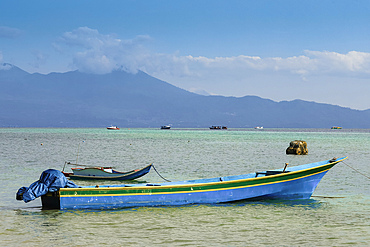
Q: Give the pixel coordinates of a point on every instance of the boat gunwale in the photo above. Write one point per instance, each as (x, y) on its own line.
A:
(192, 185)
(187, 191)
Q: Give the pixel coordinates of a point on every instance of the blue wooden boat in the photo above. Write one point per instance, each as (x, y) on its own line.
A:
(106, 173)
(297, 182)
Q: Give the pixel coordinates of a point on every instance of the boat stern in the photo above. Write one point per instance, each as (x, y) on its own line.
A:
(51, 200)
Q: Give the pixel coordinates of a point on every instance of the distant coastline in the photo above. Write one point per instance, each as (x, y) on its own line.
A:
(307, 130)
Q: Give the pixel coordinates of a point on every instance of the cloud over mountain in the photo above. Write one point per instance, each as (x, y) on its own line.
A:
(103, 53)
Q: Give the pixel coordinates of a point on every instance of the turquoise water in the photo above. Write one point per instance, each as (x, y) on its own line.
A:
(337, 215)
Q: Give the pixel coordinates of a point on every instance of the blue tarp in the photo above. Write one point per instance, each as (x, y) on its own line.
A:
(50, 180)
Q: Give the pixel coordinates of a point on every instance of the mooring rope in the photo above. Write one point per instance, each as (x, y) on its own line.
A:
(160, 174)
(356, 170)
(329, 196)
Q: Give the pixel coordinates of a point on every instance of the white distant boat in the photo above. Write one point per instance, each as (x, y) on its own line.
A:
(166, 127)
(113, 127)
(259, 127)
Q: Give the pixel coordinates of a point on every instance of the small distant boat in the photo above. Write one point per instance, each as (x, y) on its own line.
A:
(165, 127)
(218, 127)
(259, 127)
(297, 182)
(107, 173)
(112, 127)
(336, 128)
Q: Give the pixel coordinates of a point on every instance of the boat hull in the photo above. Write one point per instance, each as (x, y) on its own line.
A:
(295, 184)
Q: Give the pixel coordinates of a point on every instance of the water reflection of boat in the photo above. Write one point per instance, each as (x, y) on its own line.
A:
(298, 182)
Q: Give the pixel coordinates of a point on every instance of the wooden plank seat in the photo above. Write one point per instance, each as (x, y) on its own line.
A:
(269, 173)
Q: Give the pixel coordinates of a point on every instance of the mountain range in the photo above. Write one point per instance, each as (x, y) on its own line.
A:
(76, 99)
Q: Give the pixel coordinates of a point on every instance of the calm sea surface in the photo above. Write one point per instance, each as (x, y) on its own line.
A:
(337, 215)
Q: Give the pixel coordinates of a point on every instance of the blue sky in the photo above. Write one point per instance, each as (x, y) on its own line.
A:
(281, 50)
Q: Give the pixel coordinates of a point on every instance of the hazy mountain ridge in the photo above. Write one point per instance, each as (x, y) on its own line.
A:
(75, 99)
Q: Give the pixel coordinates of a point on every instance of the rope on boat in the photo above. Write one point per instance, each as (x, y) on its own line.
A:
(72, 164)
(160, 174)
(356, 170)
(329, 196)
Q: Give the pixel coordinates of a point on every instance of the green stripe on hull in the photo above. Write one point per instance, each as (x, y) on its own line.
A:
(191, 188)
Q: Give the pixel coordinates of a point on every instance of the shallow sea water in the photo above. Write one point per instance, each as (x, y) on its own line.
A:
(338, 214)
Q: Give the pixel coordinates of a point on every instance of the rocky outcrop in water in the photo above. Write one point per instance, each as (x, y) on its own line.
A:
(297, 147)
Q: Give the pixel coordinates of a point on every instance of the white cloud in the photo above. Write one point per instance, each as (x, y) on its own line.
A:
(9, 32)
(4, 66)
(313, 63)
(101, 53)
(39, 59)
(353, 62)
